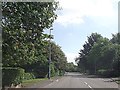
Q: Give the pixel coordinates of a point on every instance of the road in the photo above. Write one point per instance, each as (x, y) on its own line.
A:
(76, 80)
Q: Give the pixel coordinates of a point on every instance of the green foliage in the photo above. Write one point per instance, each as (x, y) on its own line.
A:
(101, 71)
(61, 72)
(58, 57)
(103, 51)
(71, 67)
(12, 76)
(24, 43)
(39, 69)
(52, 70)
(100, 54)
(82, 59)
(116, 38)
(28, 76)
(23, 24)
(108, 73)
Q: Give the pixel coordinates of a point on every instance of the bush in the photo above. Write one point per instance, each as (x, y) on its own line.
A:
(28, 76)
(39, 69)
(39, 73)
(101, 72)
(12, 76)
(52, 70)
(108, 73)
(61, 72)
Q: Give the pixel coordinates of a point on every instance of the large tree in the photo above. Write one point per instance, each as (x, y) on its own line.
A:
(101, 53)
(58, 57)
(102, 57)
(116, 62)
(82, 59)
(23, 24)
(58, 61)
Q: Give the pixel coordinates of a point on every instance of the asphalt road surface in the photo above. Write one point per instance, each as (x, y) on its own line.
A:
(77, 80)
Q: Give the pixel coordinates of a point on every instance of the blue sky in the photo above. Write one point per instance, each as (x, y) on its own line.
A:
(79, 18)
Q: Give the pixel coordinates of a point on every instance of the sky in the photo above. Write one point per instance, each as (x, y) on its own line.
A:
(77, 19)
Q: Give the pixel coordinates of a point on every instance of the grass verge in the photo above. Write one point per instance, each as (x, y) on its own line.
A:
(30, 82)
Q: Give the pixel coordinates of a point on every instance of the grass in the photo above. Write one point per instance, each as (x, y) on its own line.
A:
(32, 81)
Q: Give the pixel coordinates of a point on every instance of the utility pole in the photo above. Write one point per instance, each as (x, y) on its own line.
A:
(49, 61)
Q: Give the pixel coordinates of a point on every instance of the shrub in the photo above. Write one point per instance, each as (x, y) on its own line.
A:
(61, 72)
(39, 69)
(108, 73)
(12, 76)
(101, 72)
(28, 76)
(52, 70)
(39, 73)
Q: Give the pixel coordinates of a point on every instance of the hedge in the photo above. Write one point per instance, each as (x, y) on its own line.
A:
(28, 76)
(12, 76)
(108, 73)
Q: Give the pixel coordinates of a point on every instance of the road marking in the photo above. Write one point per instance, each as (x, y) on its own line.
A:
(57, 80)
(88, 85)
(85, 82)
(53, 82)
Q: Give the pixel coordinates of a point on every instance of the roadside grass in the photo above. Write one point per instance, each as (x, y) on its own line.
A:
(30, 82)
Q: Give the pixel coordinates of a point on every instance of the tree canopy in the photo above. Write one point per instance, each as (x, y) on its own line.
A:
(24, 43)
(98, 52)
(23, 25)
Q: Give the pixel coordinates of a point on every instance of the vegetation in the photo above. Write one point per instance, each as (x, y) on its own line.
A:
(30, 82)
(23, 24)
(12, 76)
(98, 52)
(71, 67)
(24, 43)
(25, 46)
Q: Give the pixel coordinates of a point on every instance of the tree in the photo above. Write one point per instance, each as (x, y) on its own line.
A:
(116, 61)
(71, 67)
(82, 59)
(40, 67)
(23, 24)
(116, 38)
(58, 57)
(102, 51)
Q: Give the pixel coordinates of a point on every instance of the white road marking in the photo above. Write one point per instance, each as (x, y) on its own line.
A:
(88, 85)
(85, 83)
(57, 80)
(52, 83)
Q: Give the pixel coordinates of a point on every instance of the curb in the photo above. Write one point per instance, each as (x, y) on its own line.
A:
(115, 80)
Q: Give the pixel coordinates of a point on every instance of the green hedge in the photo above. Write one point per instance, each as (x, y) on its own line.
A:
(101, 72)
(12, 76)
(28, 76)
(61, 72)
(108, 73)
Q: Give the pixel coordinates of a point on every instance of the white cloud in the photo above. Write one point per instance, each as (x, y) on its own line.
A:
(69, 19)
(71, 57)
(74, 10)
